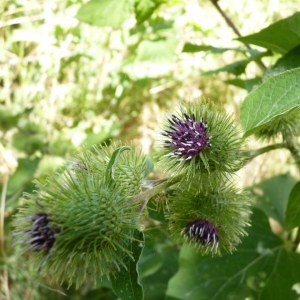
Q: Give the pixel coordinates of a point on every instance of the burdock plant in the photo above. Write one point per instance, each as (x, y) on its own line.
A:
(83, 222)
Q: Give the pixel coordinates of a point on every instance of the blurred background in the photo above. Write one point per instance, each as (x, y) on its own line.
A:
(66, 84)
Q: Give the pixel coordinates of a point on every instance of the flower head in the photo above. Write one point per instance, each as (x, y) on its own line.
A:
(202, 233)
(187, 136)
(197, 140)
(81, 222)
(42, 234)
(211, 220)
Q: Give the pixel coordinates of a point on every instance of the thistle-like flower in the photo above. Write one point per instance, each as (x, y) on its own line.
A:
(42, 234)
(81, 223)
(187, 136)
(201, 233)
(198, 139)
(211, 220)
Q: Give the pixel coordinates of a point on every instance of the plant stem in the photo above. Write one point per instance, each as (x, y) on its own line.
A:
(144, 197)
(292, 148)
(234, 28)
(5, 285)
(253, 153)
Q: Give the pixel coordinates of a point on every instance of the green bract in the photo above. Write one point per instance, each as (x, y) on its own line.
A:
(198, 140)
(223, 208)
(81, 222)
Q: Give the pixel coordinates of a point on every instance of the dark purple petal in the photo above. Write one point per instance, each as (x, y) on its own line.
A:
(187, 136)
(201, 231)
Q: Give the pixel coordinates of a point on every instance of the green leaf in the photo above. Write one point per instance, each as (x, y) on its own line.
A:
(288, 61)
(292, 216)
(106, 12)
(159, 262)
(271, 195)
(280, 37)
(247, 84)
(145, 8)
(261, 268)
(236, 68)
(125, 284)
(191, 48)
(111, 166)
(275, 97)
(156, 52)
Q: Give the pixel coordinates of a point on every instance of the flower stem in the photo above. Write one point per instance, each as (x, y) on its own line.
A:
(292, 148)
(144, 197)
(234, 28)
(254, 153)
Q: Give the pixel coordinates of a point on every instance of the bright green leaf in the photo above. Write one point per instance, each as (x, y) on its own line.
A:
(281, 36)
(246, 84)
(276, 96)
(236, 68)
(271, 195)
(261, 268)
(145, 8)
(156, 52)
(125, 283)
(292, 217)
(106, 12)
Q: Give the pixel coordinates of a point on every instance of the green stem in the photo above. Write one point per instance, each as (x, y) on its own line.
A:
(234, 28)
(144, 197)
(292, 148)
(254, 153)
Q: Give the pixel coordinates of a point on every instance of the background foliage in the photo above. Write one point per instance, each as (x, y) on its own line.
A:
(77, 73)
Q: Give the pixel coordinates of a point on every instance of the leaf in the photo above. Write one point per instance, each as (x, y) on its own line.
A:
(236, 68)
(247, 84)
(191, 48)
(111, 166)
(158, 263)
(288, 61)
(156, 52)
(261, 268)
(280, 37)
(275, 97)
(145, 8)
(106, 12)
(272, 195)
(125, 284)
(292, 216)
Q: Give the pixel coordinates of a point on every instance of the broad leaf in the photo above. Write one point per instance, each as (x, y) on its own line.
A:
(159, 262)
(126, 284)
(271, 195)
(106, 12)
(292, 217)
(261, 268)
(156, 52)
(290, 60)
(275, 97)
(281, 36)
(246, 84)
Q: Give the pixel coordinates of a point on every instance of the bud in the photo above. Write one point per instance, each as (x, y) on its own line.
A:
(81, 222)
(211, 220)
(284, 125)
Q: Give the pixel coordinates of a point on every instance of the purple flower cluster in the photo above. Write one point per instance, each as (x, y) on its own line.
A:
(187, 136)
(42, 236)
(202, 232)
